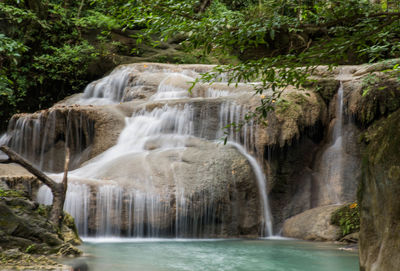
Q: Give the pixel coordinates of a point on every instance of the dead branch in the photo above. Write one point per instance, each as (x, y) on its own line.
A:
(58, 190)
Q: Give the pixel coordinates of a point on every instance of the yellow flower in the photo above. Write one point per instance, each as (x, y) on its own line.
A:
(354, 205)
(262, 96)
(145, 66)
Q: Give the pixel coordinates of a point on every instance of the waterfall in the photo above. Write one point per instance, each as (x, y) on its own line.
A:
(127, 186)
(331, 165)
(41, 137)
(109, 89)
(243, 140)
(261, 182)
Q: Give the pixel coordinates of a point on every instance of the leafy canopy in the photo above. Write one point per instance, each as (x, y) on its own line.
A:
(45, 46)
(293, 35)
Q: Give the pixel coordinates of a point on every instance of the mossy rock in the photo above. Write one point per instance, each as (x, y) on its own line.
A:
(24, 224)
(325, 87)
(380, 96)
(11, 193)
(379, 195)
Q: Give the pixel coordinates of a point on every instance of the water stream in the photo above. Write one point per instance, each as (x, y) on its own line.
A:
(330, 166)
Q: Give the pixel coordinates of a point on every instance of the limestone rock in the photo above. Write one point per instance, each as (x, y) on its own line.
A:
(216, 183)
(313, 224)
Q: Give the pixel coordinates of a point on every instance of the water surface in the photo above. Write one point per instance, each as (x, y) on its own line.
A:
(218, 255)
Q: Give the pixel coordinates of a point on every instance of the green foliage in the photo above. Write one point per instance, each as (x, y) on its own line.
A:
(273, 38)
(43, 52)
(67, 64)
(97, 20)
(291, 33)
(347, 218)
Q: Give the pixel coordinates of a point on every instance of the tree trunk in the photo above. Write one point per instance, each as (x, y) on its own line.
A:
(58, 190)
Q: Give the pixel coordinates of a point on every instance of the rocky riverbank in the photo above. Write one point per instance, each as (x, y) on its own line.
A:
(28, 239)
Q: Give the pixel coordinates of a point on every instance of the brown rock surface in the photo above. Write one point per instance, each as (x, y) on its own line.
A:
(313, 224)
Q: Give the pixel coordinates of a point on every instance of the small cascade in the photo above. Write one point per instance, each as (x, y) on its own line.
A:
(165, 127)
(331, 165)
(109, 89)
(215, 93)
(170, 89)
(261, 182)
(243, 140)
(41, 137)
(232, 113)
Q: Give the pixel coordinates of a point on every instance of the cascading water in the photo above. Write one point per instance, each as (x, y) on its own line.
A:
(109, 89)
(41, 136)
(128, 185)
(331, 165)
(243, 140)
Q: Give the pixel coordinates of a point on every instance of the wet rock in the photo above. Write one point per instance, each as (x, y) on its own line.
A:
(372, 96)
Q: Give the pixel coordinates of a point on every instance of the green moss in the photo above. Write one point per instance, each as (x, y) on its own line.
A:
(347, 218)
(380, 97)
(381, 147)
(326, 88)
(30, 249)
(282, 105)
(11, 193)
(69, 221)
(43, 210)
(383, 142)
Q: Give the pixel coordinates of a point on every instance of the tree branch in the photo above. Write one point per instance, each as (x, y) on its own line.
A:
(15, 157)
(66, 166)
(5, 161)
(351, 18)
(58, 190)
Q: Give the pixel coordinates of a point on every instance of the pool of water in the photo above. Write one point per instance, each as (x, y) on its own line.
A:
(210, 255)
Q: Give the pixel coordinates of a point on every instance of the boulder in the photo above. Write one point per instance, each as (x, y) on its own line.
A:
(314, 224)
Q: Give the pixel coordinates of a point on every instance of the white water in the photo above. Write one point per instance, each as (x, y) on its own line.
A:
(261, 181)
(330, 171)
(161, 129)
(39, 137)
(109, 89)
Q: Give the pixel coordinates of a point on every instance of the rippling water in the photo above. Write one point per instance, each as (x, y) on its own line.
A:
(210, 255)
